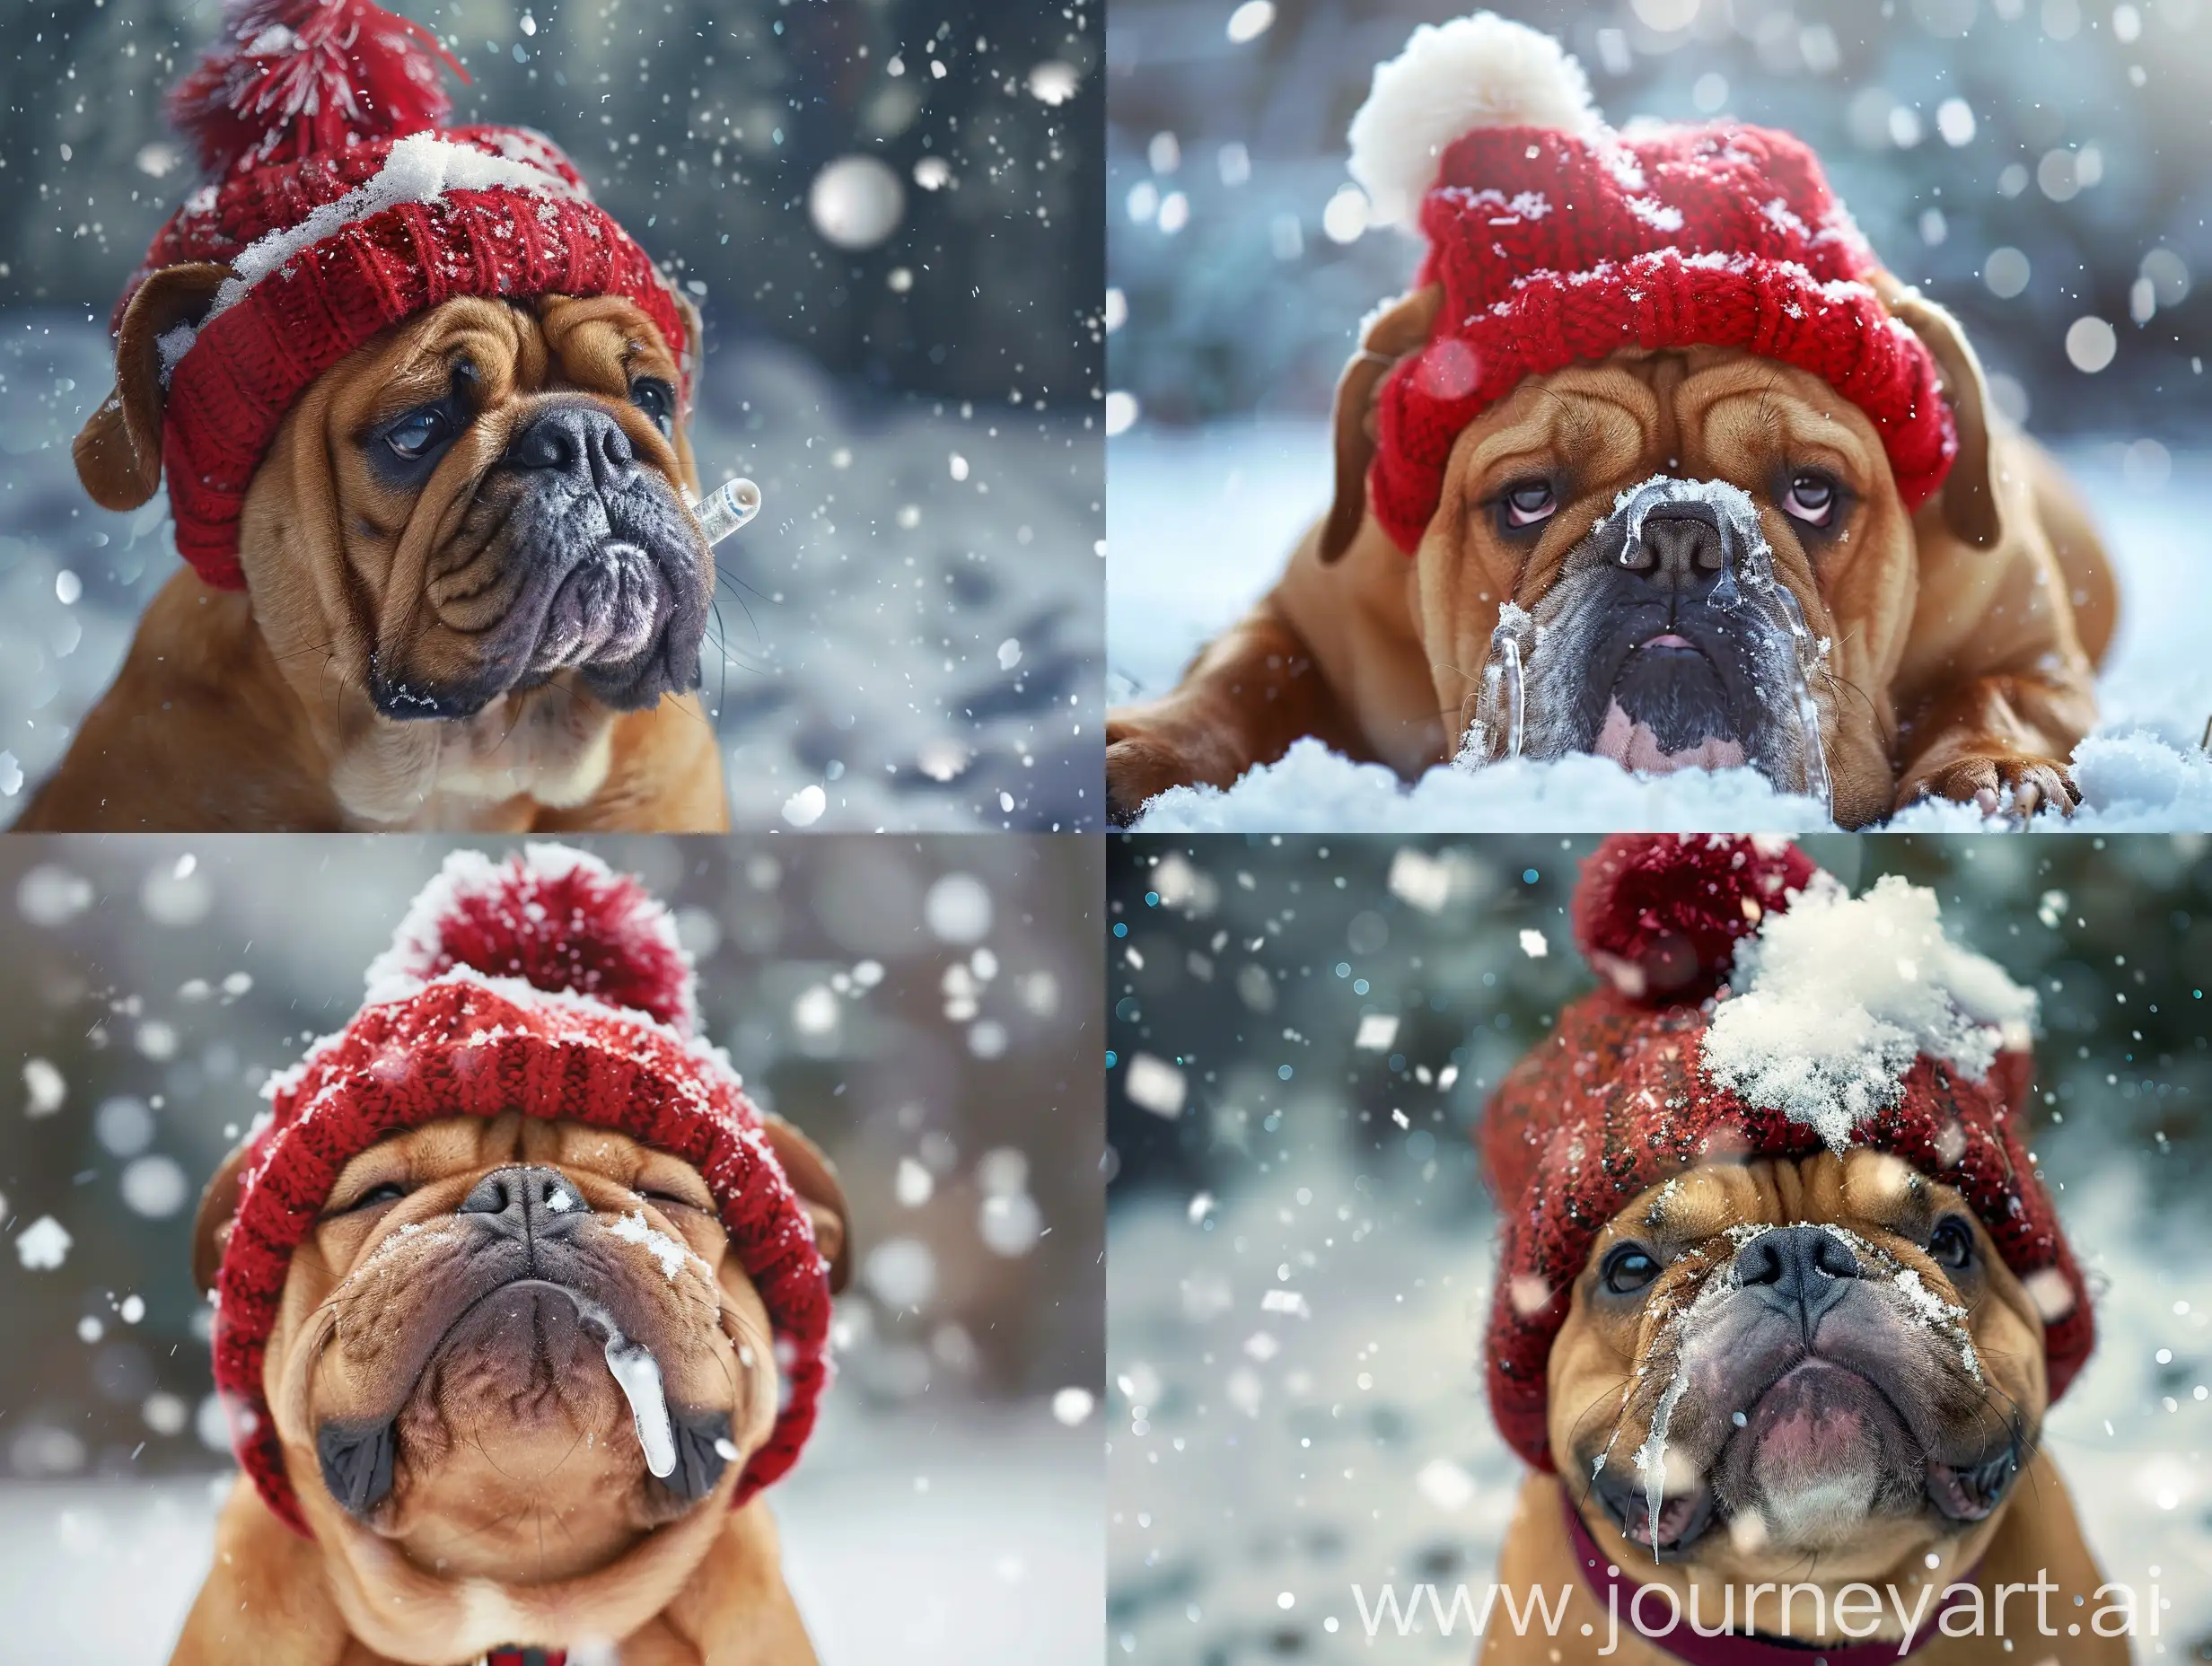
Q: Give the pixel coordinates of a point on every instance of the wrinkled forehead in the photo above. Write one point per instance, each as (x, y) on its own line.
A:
(1613, 409)
(599, 344)
(463, 1145)
(1864, 1189)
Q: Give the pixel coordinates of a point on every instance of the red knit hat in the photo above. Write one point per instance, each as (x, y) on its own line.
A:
(1556, 240)
(545, 983)
(1753, 1008)
(341, 207)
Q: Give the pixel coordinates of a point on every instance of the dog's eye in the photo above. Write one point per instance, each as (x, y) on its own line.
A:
(1627, 1269)
(1952, 1243)
(657, 399)
(1811, 498)
(667, 1198)
(419, 432)
(390, 1191)
(1530, 504)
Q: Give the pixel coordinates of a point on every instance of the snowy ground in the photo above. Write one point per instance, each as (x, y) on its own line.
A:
(913, 1539)
(1202, 520)
(911, 626)
(1354, 1446)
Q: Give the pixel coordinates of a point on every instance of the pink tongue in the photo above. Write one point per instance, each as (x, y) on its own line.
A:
(1812, 1438)
(1632, 746)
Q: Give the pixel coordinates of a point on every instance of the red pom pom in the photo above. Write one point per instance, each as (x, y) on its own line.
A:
(1660, 914)
(559, 919)
(293, 77)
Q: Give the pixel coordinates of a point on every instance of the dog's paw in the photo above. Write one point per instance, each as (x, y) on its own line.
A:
(1140, 765)
(2014, 786)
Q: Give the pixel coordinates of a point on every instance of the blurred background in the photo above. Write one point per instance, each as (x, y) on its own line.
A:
(2032, 165)
(1303, 1037)
(925, 1010)
(889, 214)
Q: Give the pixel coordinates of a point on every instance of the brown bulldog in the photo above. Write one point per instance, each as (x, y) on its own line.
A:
(442, 1376)
(1656, 461)
(1963, 640)
(474, 596)
(1803, 1393)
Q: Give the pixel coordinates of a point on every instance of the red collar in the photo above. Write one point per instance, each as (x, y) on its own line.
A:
(1610, 1585)
(514, 1655)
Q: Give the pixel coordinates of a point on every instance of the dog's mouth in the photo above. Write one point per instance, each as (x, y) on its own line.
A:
(1820, 1448)
(1670, 707)
(612, 586)
(549, 1327)
(607, 612)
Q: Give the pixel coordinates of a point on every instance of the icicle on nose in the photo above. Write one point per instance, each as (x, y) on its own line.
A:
(1805, 656)
(725, 509)
(637, 1373)
(1501, 706)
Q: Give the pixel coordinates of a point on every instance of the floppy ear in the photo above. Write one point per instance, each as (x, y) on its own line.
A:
(211, 1228)
(815, 1178)
(118, 451)
(1969, 496)
(693, 342)
(1392, 332)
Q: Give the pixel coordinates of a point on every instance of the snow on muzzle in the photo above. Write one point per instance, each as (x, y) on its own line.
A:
(1795, 1384)
(1666, 644)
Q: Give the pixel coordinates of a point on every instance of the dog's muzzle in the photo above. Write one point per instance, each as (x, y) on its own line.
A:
(1805, 1396)
(612, 575)
(1666, 644)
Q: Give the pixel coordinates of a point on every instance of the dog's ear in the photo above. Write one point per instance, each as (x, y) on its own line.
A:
(118, 451)
(218, 1210)
(694, 343)
(814, 1177)
(1970, 495)
(1391, 332)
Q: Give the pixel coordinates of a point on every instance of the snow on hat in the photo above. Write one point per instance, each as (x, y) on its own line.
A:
(549, 985)
(1556, 240)
(341, 207)
(1753, 1007)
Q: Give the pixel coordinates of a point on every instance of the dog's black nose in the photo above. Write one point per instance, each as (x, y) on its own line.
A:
(525, 1203)
(1681, 546)
(1805, 1266)
(581, 439)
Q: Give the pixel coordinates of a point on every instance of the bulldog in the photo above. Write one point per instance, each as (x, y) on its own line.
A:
(418, 402)
(1806, 1396)
(1783, 1296)
(516, 1377)
(1962, 641)
(1654, 461)
(474, 593)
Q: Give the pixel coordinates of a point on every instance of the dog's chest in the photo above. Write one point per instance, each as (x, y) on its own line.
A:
(472, 775)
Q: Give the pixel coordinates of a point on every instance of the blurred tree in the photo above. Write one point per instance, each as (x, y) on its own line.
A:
(2030, 162)
(1248, 966)
(703, 125)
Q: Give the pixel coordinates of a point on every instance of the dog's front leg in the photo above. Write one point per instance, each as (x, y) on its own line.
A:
(2001, 740)
(265, 1600)
(1250, 693)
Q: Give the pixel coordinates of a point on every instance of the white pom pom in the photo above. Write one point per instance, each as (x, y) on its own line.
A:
(1483, 71)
